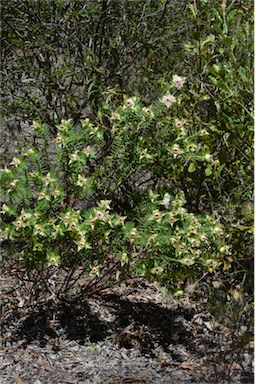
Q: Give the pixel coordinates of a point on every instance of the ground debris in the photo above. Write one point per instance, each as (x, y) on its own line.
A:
(130, 333)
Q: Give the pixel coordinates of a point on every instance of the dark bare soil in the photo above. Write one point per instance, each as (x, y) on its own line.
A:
(130, 333)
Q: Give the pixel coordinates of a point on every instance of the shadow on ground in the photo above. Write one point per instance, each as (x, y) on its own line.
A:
(133, 325)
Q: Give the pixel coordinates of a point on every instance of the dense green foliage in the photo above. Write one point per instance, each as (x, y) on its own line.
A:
(155, 104)
(50, 190)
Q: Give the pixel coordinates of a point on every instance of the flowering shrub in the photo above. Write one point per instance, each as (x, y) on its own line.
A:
(62, 193)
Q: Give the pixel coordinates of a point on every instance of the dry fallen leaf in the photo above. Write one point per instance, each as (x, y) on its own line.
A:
(21, 302)
(209, 325)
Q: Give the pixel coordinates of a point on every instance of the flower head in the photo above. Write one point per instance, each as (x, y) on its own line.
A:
(41, 196)
(128, 129)
(61, 127)
(49, 179)
(15, 161)
(105, 204)
(208, 157)
(195, 222)
(85, 122)
(4, 235)
(196, 253)
(224, 249)
(88, 151)
(92, 223)
(6, 170)
(80, 235)
(67, 217)
(178, 123)
(172, 220)
(82, 244)
(148, 112)
(174, 241)
(38, 215)
(181, 248)
(100, 215)
(176, 150)
(64, 125)
(29, 152)
(38, 247)
(177, 231)
(39, 230)
(133, 234)
(95, 271)
(194, 242)
(192, 229)
(53, 258)
(34, 174)
(115, 116)
(73, 157)
(182, 135)
(168, 100)
(178, 81)
(18, 223)
(59, 139)
(12, 185)
(57, 230)
(216, 163)
(211, 264)
(191, 147)
(129, 103)
(81, 181)
(156, 215)
(144, 154)
(25, 215)
(73, 225)
(204, 132)
(157, 269)
(187, 261)
(121, 220)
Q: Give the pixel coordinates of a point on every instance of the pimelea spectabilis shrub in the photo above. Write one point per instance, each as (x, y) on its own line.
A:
(61, 193)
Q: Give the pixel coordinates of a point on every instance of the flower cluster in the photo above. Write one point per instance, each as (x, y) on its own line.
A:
(180, 237)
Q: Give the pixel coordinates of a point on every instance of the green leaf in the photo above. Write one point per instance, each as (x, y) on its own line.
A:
(209, 39)
(208, 171)
(192, 167)
(193, 10)
(219, 169)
